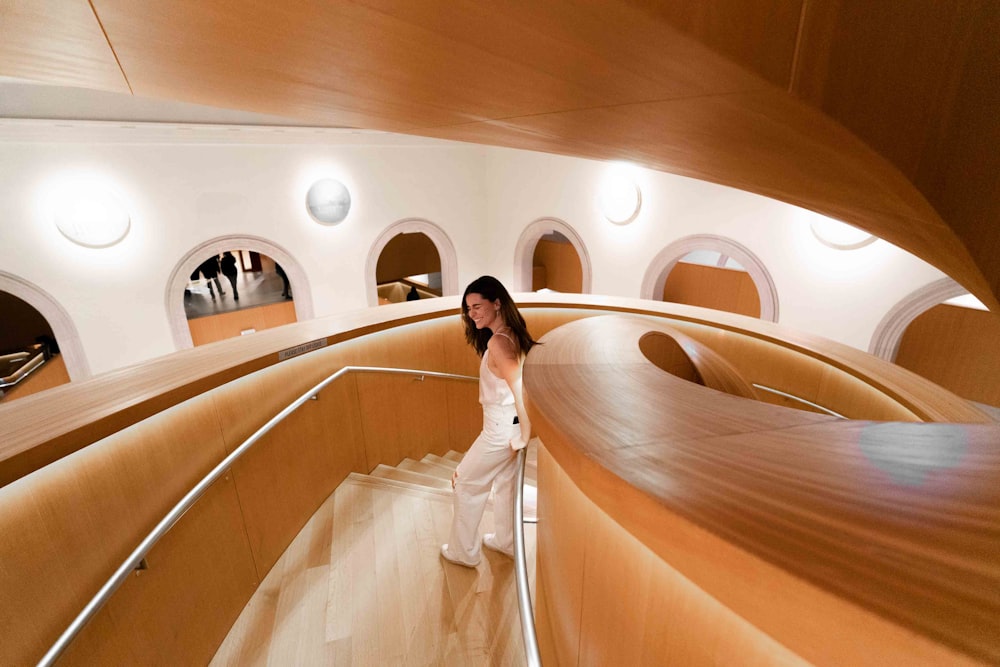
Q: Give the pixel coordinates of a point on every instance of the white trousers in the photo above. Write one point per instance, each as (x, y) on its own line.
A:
(489, 462)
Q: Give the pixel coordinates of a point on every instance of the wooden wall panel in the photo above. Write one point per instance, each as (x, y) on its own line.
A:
(645, 613)
(562, 269)
(295, 467)
(562, 536)
(76, 520)
(407, 255)
(402, 417)
(465, 415)
(957, 348)
(229, 325)
(712, 287)
(202, 564)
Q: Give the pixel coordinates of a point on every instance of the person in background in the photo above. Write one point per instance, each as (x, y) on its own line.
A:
(228, 264)
(286, 290)
(413, 295)
(210, 269)
(496, 330)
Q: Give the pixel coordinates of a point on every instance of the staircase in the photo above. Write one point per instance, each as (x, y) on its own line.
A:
(363, 584)
(434, 472)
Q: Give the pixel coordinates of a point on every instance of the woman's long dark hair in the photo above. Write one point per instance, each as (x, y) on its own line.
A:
(492, 289)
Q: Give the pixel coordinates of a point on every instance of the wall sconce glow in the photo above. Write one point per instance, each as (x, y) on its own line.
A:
(838, 235)
(93, 219)
(328, 201)
(620, 197)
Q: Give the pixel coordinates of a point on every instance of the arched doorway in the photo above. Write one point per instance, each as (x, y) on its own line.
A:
(30, 359)
(555, 265)
(556, 248)
(447, 256)
(713, 272)
(408, 269)
(257, 267)
(942, 333)
(56, 317)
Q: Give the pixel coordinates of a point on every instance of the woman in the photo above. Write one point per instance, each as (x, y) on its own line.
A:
(495, 328)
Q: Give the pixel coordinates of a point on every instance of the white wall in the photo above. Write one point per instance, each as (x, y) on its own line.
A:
(184, 185)
(835, 293)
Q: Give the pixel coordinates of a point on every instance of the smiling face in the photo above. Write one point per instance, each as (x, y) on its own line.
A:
(484, 313)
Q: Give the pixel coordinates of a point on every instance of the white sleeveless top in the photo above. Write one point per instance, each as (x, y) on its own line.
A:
(493, 390)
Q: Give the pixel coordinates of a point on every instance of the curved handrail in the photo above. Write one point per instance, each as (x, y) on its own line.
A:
(521, 570)
(173, 516)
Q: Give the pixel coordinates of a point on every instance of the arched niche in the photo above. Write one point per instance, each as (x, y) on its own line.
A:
(525, 250)
(666, 259)
(174, 297)
(67, 337)
(445, 248)
(889, 332)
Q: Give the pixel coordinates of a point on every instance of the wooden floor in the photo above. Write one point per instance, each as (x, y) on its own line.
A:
(363, 584)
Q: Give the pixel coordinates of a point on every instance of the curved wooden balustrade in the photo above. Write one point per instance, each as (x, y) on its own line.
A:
(681, 525)
(120, 449)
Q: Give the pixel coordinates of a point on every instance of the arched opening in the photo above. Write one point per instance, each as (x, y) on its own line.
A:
(713, 272)
(235, 293)
(554, 246)
(555, 265)
(408, 269)
(447, 256)
(711, 279)
(56, 317)
(187, 291)
(29, 351)
(942, 333)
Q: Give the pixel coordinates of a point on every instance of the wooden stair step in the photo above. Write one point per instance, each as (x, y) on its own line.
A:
(440, 460)
(430, 469)
(454, 456)
(414, 477)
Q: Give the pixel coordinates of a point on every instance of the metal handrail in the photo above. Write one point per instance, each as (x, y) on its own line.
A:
(174, 515)
(521, 569)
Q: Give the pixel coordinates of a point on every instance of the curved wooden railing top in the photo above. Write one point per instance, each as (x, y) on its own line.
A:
(797, 521)
(39, 429)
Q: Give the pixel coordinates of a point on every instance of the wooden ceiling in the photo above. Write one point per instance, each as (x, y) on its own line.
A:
(881, 114)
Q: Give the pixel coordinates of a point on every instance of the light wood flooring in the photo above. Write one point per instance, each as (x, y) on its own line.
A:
(363, 584)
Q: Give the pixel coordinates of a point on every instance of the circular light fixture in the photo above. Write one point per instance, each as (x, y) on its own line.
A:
(92, 219)
(840, 236)
(620, 198)
(328, 201)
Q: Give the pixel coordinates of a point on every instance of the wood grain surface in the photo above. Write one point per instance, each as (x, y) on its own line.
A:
(789, 519)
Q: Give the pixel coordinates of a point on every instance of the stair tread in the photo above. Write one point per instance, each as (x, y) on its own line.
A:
(434, 458)
(429, 469)
(414, 477)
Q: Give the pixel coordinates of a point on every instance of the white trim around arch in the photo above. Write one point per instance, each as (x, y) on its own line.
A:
(174, 297)
(445, 248)
(67, 337)
(889, 332)
(524, 253)
(660, 267)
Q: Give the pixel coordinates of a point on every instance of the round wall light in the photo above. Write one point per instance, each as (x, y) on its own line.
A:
(328, 201)
(92, 219)
(840, 236)
(620, 197)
